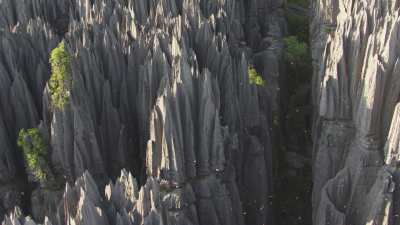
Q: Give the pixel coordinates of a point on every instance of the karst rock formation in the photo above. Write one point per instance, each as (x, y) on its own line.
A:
(356, 87)
(161, 126)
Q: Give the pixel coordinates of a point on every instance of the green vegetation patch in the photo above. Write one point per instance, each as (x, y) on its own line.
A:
(60, 81)
(296, 51)
(35, 152)
(254, 77)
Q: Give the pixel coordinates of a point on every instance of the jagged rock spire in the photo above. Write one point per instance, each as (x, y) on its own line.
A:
(159, 88)
(356, 96)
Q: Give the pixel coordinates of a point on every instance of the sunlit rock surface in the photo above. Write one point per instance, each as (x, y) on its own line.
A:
(159, 88)
(356, 92)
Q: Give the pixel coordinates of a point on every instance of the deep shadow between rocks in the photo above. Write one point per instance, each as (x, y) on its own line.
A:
(292, 125)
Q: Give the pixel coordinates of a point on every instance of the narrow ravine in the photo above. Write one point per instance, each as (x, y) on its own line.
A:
(293, 175)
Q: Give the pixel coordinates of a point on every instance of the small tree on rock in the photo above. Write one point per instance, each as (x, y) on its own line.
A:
(35, 153)
(60, 81)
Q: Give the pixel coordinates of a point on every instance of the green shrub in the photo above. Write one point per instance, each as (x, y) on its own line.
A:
(254, 77)
(60, 80)
(296, 51)
(298, 62)
(35, 152)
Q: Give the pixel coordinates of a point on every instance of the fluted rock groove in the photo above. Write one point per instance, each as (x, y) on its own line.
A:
(199, 112)
(156, 89)
(355, 95)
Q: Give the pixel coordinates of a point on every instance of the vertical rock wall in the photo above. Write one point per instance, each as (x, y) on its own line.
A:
(356, 92)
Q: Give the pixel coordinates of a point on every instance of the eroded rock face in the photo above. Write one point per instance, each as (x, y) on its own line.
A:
(123, 203)
(159, 88)
(356, 89)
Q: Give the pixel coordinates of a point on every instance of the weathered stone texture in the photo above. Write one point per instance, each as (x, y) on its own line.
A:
(356, 89)
(159, 88)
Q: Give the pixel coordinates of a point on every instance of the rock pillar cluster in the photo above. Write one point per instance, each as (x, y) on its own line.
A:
(159, 88)
(356, 89)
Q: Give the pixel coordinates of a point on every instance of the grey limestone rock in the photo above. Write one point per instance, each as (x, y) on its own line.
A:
(356, 89)
(159, 88)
